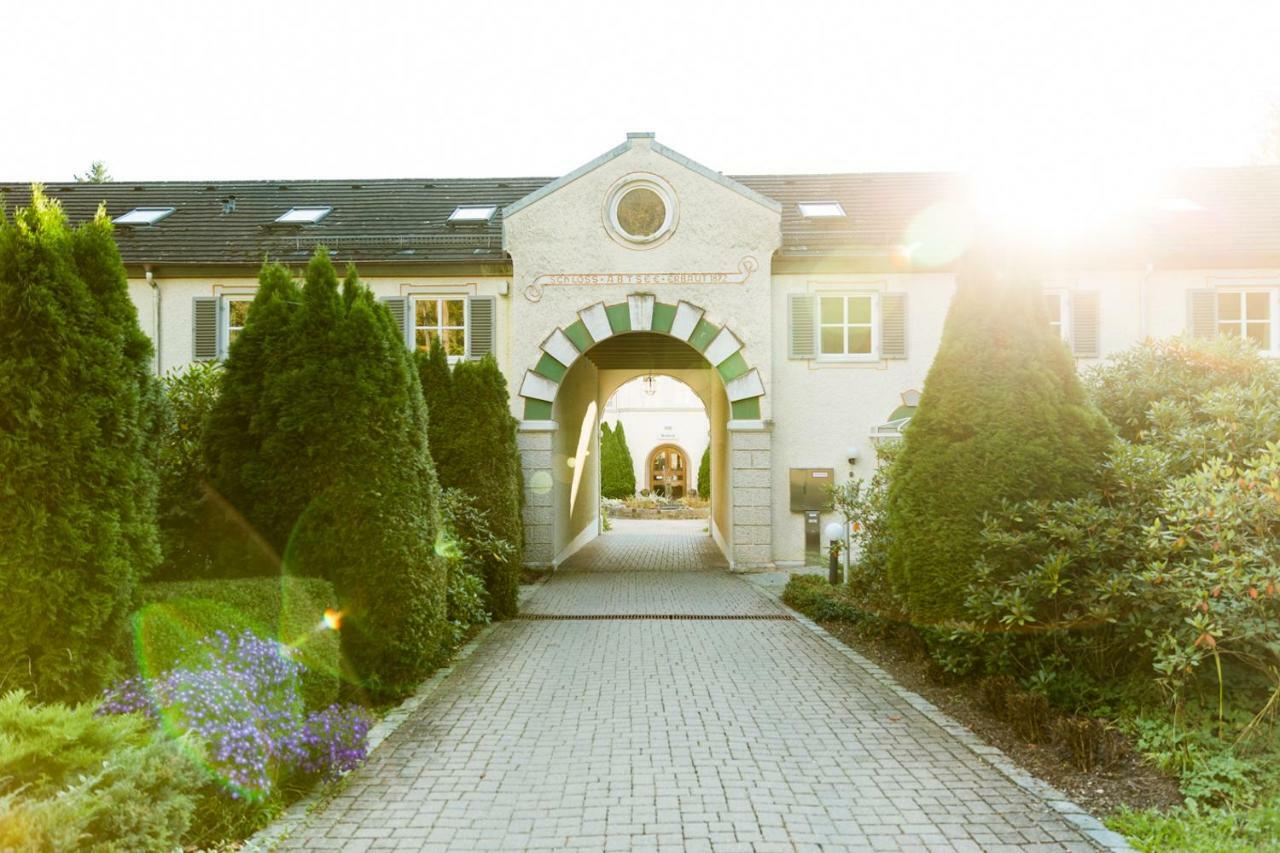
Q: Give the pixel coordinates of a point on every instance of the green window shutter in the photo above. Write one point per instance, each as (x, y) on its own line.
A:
(802, 337)
(205, 334)
(399, 308)
(893, 325)
(480, 325)
(1202, 313)
(1085, 324)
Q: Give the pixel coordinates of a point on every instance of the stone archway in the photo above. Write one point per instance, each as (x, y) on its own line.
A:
(564, 392)
(642, 312)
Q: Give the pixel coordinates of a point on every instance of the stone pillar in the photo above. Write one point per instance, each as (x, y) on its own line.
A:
(751, 491)
(535, 442)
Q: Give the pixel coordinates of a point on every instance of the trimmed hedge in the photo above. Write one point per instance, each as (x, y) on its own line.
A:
(175, 614)
(1003, 417)
(79, 427)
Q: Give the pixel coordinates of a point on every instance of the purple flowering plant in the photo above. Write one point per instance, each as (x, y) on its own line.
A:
(241, 698)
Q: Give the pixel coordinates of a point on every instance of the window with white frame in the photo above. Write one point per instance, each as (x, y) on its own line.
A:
(1056, 305)
(235, 311)
(1250, 314)
(847, 326)
(442, 318)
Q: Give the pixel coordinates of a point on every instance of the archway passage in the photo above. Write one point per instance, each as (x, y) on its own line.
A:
(582, 364)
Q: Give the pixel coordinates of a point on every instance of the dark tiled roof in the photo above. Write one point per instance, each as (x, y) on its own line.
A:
(232, 223)
(404, 221)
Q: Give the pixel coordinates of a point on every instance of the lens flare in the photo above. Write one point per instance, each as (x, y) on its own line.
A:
(332, 619)
(939, 234)
(540, 483)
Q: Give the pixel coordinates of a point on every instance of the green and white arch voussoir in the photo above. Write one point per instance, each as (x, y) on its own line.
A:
(642, 312)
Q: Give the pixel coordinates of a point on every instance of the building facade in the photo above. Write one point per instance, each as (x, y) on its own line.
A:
(802, 310)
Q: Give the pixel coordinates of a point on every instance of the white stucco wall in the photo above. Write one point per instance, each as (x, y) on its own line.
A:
(176, 294)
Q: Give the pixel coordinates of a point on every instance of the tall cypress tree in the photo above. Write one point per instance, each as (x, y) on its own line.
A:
(612, 478)
(237, 428)
(78, 437)
(370, 521)
(302, 410)
(626, 465)
(1002, 417)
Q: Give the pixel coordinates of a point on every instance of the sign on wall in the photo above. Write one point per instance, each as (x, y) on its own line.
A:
(533, 292)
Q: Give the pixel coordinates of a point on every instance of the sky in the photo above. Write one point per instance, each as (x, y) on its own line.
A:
(376, 88)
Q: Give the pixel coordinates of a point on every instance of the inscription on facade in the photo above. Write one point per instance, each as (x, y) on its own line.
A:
(533, 292)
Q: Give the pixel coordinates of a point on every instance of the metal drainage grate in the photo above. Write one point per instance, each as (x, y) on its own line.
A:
(666, 617)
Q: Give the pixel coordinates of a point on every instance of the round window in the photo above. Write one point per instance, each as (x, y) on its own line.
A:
(640, 211)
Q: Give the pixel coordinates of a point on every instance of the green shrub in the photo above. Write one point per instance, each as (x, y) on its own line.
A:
(476, 453)
(1172, 370)
(469, 545)
(1002, 417)
(71, 779)
(813, 596)
(1167, 572)
(1197, 830)
(78, 436)
(187, 515)
(177, 614)
(704, 475)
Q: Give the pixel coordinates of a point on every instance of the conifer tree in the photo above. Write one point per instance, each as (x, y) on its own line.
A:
(78, 437)
(334, 467)
(626, 465)
(437, 389)
(704, 475)
(1002, 417)
(612, 478)
(371, 523)
(237, 430)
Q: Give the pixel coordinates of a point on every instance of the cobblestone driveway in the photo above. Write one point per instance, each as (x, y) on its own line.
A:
(724, 734)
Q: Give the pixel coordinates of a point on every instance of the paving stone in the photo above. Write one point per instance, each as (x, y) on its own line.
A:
(673, 734)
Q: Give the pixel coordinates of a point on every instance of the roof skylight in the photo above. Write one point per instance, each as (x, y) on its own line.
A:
(144, 215)
(473, 213)
(821, 209)
(303, 215)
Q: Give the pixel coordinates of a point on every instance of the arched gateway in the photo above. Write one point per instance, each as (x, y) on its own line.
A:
(579, 366)
(642, 261)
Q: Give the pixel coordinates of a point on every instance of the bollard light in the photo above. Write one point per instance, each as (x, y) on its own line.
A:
(834, 531)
